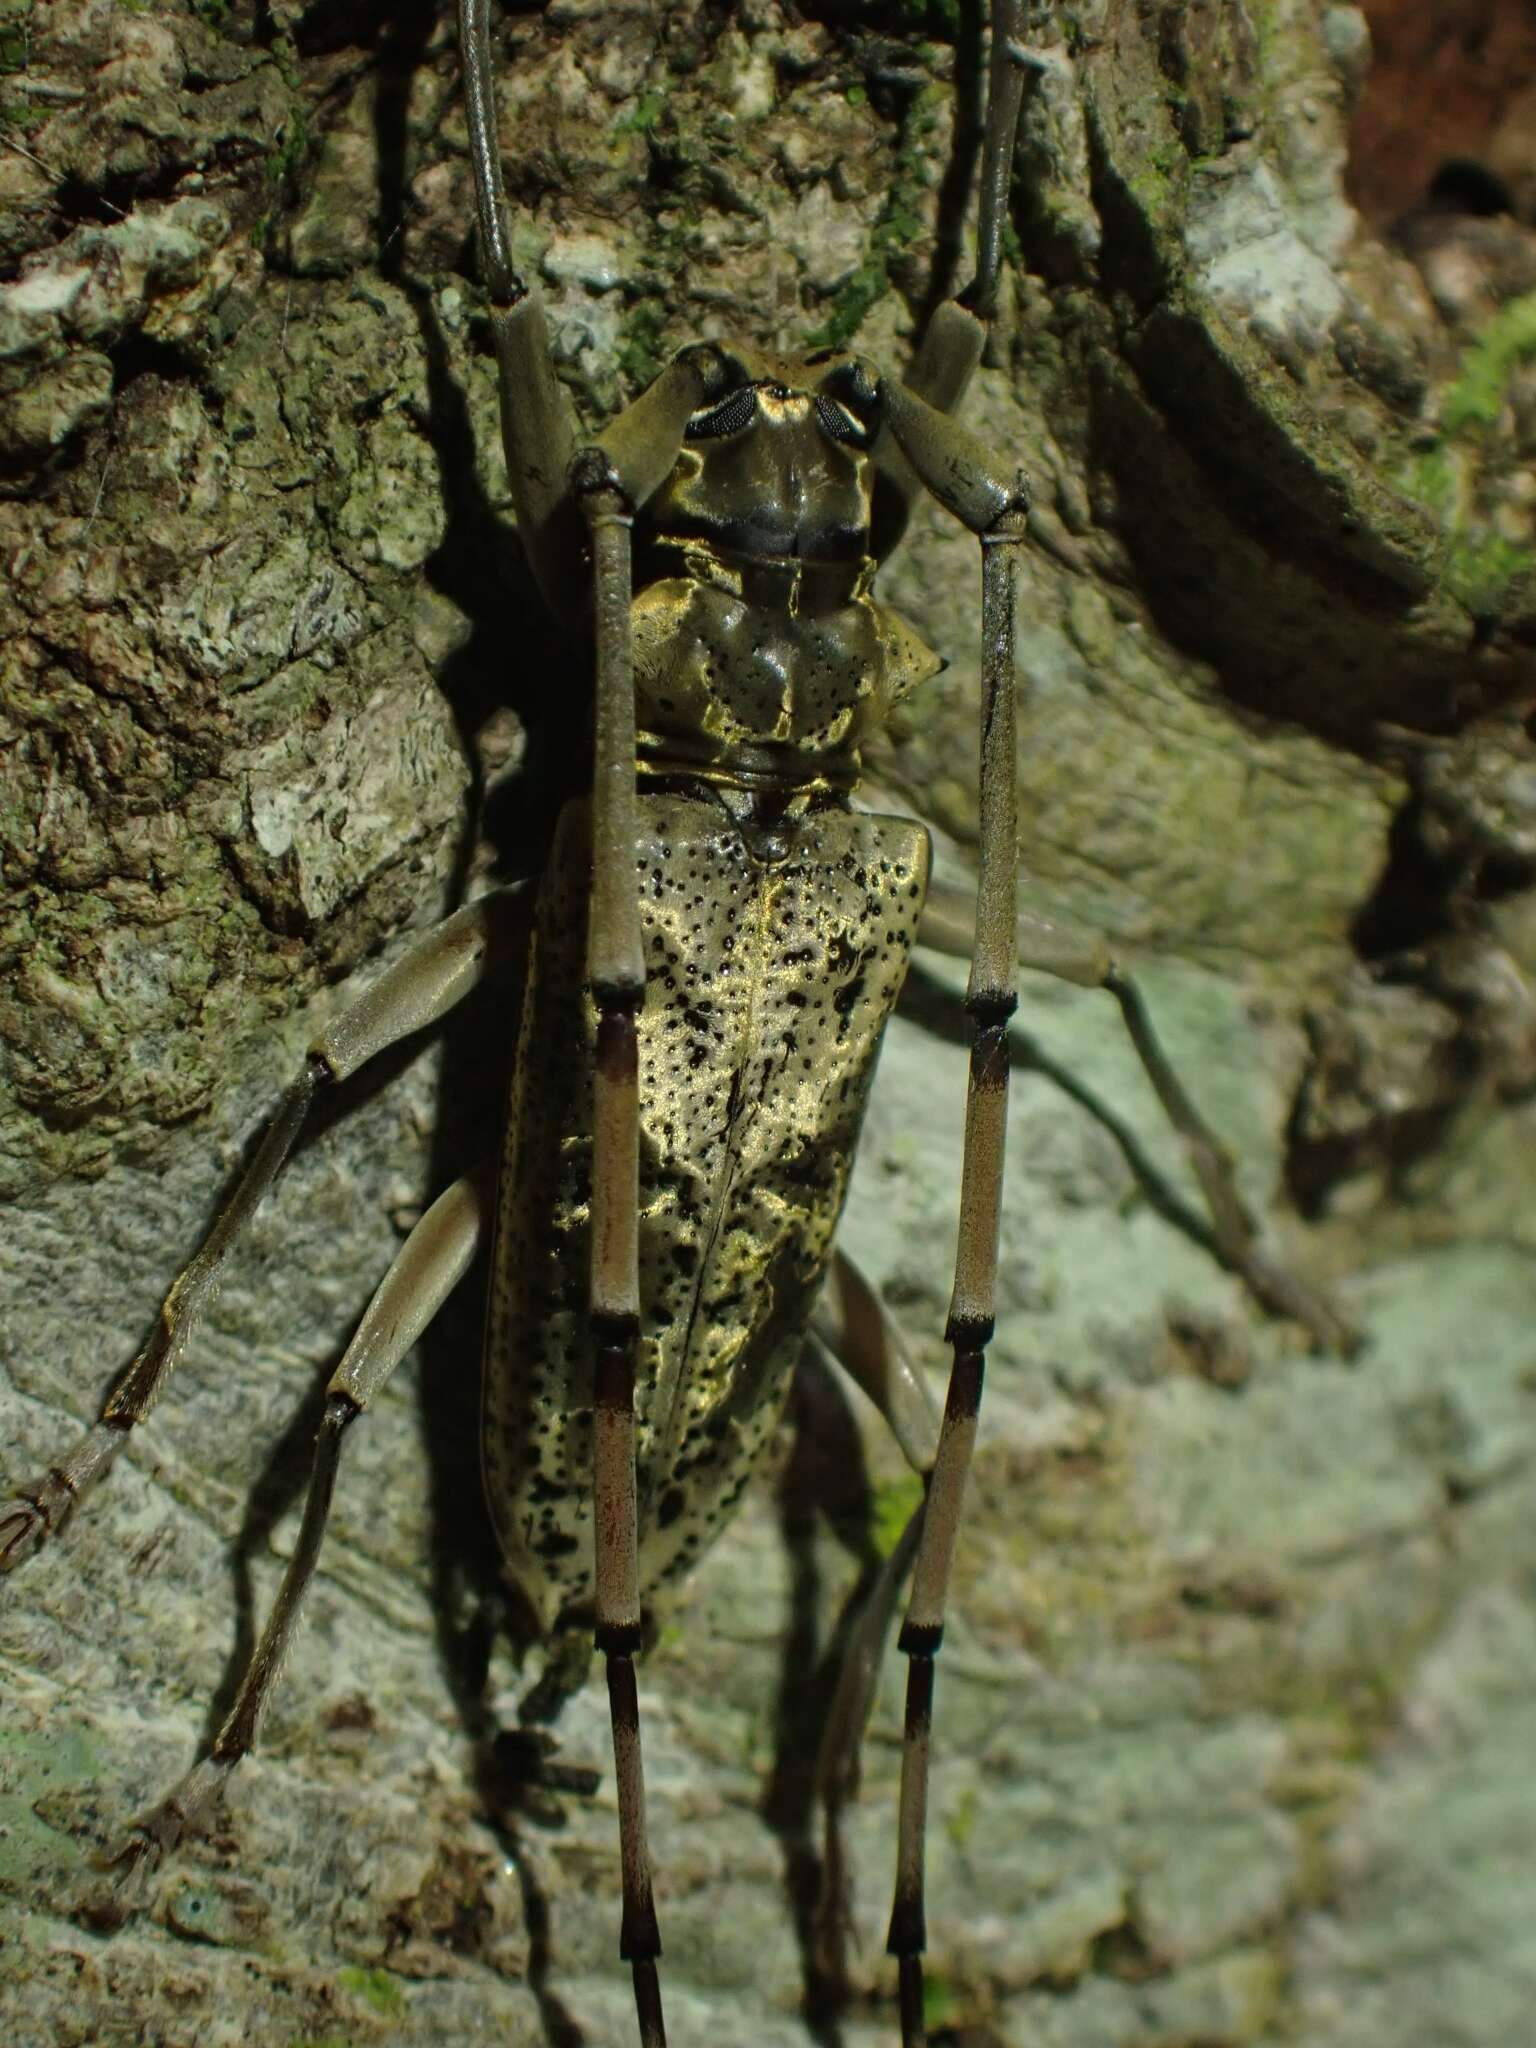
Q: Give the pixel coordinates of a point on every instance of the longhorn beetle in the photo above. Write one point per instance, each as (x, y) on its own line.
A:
(719, 938)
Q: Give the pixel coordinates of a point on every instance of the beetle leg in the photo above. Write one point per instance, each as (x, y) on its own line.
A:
(641, 445)
(616, 971)
(1070, 953)
(853, 1329)
(415, 992)
(852, 1323)
(964, 477)
(429, 1265)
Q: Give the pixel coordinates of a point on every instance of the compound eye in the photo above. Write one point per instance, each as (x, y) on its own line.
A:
(840, 424)
(848, 403)
(730, 415)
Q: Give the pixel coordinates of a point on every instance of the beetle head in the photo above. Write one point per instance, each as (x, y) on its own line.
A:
(776, 463)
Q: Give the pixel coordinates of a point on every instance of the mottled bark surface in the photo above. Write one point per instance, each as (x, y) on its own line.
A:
(1235, 1718)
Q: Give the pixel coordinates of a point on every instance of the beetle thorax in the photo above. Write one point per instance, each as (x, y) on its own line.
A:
(761, 655)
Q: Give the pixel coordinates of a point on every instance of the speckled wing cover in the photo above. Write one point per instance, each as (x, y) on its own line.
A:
(768, 987)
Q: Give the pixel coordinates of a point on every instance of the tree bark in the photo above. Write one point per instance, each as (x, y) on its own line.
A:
(1233, 1721)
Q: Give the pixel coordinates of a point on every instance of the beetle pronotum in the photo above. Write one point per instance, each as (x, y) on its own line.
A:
(715, 403)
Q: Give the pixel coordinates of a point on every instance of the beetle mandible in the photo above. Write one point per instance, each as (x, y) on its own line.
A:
(733, 518)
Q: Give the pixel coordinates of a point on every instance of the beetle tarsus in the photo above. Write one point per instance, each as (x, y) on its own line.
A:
(38, 1511)
(162, 1828)
(25, 1525)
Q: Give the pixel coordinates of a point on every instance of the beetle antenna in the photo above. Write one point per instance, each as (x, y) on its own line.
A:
(1011, 59)
(502, 281)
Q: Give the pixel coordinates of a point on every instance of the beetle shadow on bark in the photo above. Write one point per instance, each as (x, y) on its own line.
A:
(480, 567)
(930, 1003)
(826, 1481)
(953, 259)
(514, 657)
